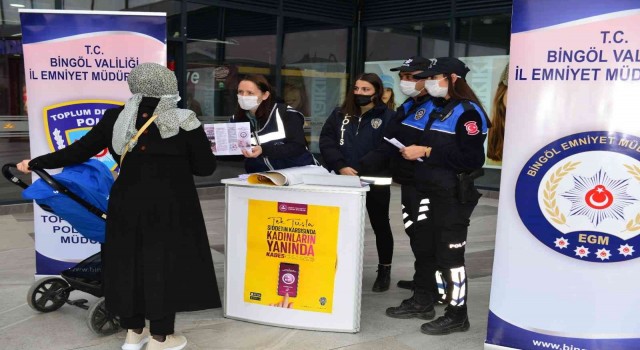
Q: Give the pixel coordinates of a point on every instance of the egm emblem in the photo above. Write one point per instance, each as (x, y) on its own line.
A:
(580, 196)
(376, 122)
(419, 114)
(67, 122)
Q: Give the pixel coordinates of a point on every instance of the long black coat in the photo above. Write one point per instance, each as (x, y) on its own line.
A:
(156, 257)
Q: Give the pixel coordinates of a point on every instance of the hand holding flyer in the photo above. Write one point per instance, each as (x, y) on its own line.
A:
(398, 144)
(229, 138)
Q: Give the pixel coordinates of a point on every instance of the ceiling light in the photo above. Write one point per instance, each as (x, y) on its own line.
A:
(16, 5)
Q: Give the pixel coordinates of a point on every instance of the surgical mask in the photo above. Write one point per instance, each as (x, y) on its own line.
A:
(362, 100)
(409, 88)
(434, 89)
(248, 102)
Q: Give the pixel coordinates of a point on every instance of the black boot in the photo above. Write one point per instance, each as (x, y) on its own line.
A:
(405, 284)
(455, 319)
(420, 305)
(383, 280)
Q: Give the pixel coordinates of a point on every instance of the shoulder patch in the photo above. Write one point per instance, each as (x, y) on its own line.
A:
(472, 128)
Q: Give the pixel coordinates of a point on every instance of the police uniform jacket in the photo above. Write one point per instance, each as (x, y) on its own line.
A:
(404, 127)
(345, 140)
(156, 258)
(281, 137)
(456, 131)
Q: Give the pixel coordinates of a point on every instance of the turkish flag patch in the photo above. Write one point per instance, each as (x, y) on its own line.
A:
(472, 128)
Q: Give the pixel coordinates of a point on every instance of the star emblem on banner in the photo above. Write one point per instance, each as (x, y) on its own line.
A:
(581, 251)
(603, 254)
(599, 197)
(626, 250)
(561, 243)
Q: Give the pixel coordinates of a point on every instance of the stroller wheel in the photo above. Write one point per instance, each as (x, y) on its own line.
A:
(101, 321)
(48, 294)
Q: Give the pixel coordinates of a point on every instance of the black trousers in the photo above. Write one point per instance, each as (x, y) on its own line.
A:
(378, 209)
(410, 203)
(162, 326)
(439, 244)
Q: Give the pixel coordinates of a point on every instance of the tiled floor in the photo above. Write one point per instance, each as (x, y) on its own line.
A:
(22, 328)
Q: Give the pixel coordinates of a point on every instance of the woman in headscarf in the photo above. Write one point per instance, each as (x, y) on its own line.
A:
(156, 256)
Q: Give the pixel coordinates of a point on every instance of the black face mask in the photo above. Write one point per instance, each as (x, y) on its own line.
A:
(362, 100)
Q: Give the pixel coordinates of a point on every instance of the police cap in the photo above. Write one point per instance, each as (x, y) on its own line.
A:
(412, 64)
(443, 65)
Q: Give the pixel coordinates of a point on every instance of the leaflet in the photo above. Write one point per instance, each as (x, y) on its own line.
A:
(229, 138)
(398, 144)
(286, 177)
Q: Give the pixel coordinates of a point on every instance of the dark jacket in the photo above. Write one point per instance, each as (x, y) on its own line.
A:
(402, 170)
(456, 132)
(346, 140)
(281, 137)
(156, 258)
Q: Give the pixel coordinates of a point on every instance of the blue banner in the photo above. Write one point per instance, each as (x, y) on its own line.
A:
(568, 231)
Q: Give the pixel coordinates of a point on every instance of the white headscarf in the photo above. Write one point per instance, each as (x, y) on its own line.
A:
(152, 80)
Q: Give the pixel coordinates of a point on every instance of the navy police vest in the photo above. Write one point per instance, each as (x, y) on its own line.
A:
(418, 119)
(446, 120)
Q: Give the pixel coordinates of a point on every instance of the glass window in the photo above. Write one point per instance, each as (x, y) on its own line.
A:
(171, 8)
(314, 73)
(391, 43)
(388, 47)
(14, 128)
(218, 57)
(10, 8)
(110, 5)
(435, 38)
(104, 5)
(398, 42)
(135, 3)
(483, 36)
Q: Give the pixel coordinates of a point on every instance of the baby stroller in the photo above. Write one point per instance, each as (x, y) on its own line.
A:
(81, 210)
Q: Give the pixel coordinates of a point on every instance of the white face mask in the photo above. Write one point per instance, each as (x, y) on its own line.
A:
(248, 102)
(434, 89)
(409, 88)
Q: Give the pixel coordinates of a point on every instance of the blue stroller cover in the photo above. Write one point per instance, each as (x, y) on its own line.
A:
(90, 181)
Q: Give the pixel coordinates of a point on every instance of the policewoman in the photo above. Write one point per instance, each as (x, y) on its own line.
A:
(278, 140)
(349, 134)
(406, 127)
(452, 153)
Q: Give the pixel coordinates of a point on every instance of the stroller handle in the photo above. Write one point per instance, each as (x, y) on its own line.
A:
(55, 185)
(6, 172)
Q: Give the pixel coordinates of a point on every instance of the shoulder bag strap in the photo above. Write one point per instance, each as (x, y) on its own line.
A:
(135, 137)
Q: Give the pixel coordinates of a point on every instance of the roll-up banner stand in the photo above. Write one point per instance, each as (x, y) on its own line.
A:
(76, 66)
(568, 233)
